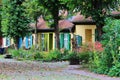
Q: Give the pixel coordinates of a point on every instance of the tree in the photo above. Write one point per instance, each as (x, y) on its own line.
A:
(97, 9)
(15, 24)
(34, 10)
(53, 7)
(0, 22)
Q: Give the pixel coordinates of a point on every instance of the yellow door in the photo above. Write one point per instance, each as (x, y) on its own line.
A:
(88, 35)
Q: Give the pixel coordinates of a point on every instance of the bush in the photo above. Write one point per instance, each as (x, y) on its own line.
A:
(54, 55)
(107, 61)
(115, 70)
(98, 62)
(84, 57)
(73, 58)
(21, 54)
(38, 56)
(64, 54)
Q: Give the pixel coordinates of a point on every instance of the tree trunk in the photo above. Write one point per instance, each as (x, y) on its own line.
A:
(99, 32)
(36, 39)
(16, 43)
(56, 19)
(57, 40)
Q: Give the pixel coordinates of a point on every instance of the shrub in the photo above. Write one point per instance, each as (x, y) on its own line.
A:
(21, 54)
(107, 61)
(115, 70)
(54, 55)
(38, 56)
(98, 62)
(73, 58)
(64, 54)
(84, 57)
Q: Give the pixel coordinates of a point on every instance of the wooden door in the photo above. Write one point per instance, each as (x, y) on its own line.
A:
(88, 35)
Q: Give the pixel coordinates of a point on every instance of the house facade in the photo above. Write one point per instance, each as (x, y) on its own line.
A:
(83, 31)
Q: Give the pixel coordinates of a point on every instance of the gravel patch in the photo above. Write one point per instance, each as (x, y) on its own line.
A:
(11, 69)
(75, 70)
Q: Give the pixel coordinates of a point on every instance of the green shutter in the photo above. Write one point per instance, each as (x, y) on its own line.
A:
(69, 42)
(78, 40)
(61, 40)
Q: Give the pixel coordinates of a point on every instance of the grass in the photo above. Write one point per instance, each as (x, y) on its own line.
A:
(2, 56)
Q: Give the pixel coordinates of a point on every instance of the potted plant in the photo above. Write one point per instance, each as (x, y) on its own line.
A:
(73, 58)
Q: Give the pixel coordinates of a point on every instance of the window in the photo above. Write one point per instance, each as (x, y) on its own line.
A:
(78, 41)
(7, 41)
(65, 41)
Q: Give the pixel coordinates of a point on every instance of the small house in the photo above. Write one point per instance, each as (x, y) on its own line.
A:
(85, 28)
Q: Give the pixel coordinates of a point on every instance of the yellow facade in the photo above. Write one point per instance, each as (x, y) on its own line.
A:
(48, 40)
(84, 31)
(87, 32)
(53, 41)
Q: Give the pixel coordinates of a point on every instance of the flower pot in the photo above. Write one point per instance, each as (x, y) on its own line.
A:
(8, 56)
(74, 62)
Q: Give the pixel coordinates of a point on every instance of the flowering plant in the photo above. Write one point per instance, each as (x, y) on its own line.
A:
(98, 46)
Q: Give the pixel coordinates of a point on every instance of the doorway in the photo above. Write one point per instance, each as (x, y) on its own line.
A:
(88, 35)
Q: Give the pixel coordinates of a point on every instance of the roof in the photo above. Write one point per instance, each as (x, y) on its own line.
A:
(65, 24)
(80, 19)
(42, 25)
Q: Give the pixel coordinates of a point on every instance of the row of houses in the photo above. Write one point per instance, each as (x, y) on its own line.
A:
(81, 28)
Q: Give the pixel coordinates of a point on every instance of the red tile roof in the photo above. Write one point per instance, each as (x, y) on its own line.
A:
(63, 24)
(80, 18)
(42, 24)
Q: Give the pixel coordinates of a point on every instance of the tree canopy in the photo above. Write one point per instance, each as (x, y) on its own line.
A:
(53, 7)
(15, 24)
(97, 9)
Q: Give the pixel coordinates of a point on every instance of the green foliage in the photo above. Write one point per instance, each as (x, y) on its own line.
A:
(15, 23)
(108, 61)
(53, 8)
(0, 22)
(73, 55)
(38, 56)
(111, 39)
(64, 54)
(55, 55)
(34, 9)
(84, 57)
(115, 70)
(21, 54)
(97, 9)
(98, 62)
(73, 58)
